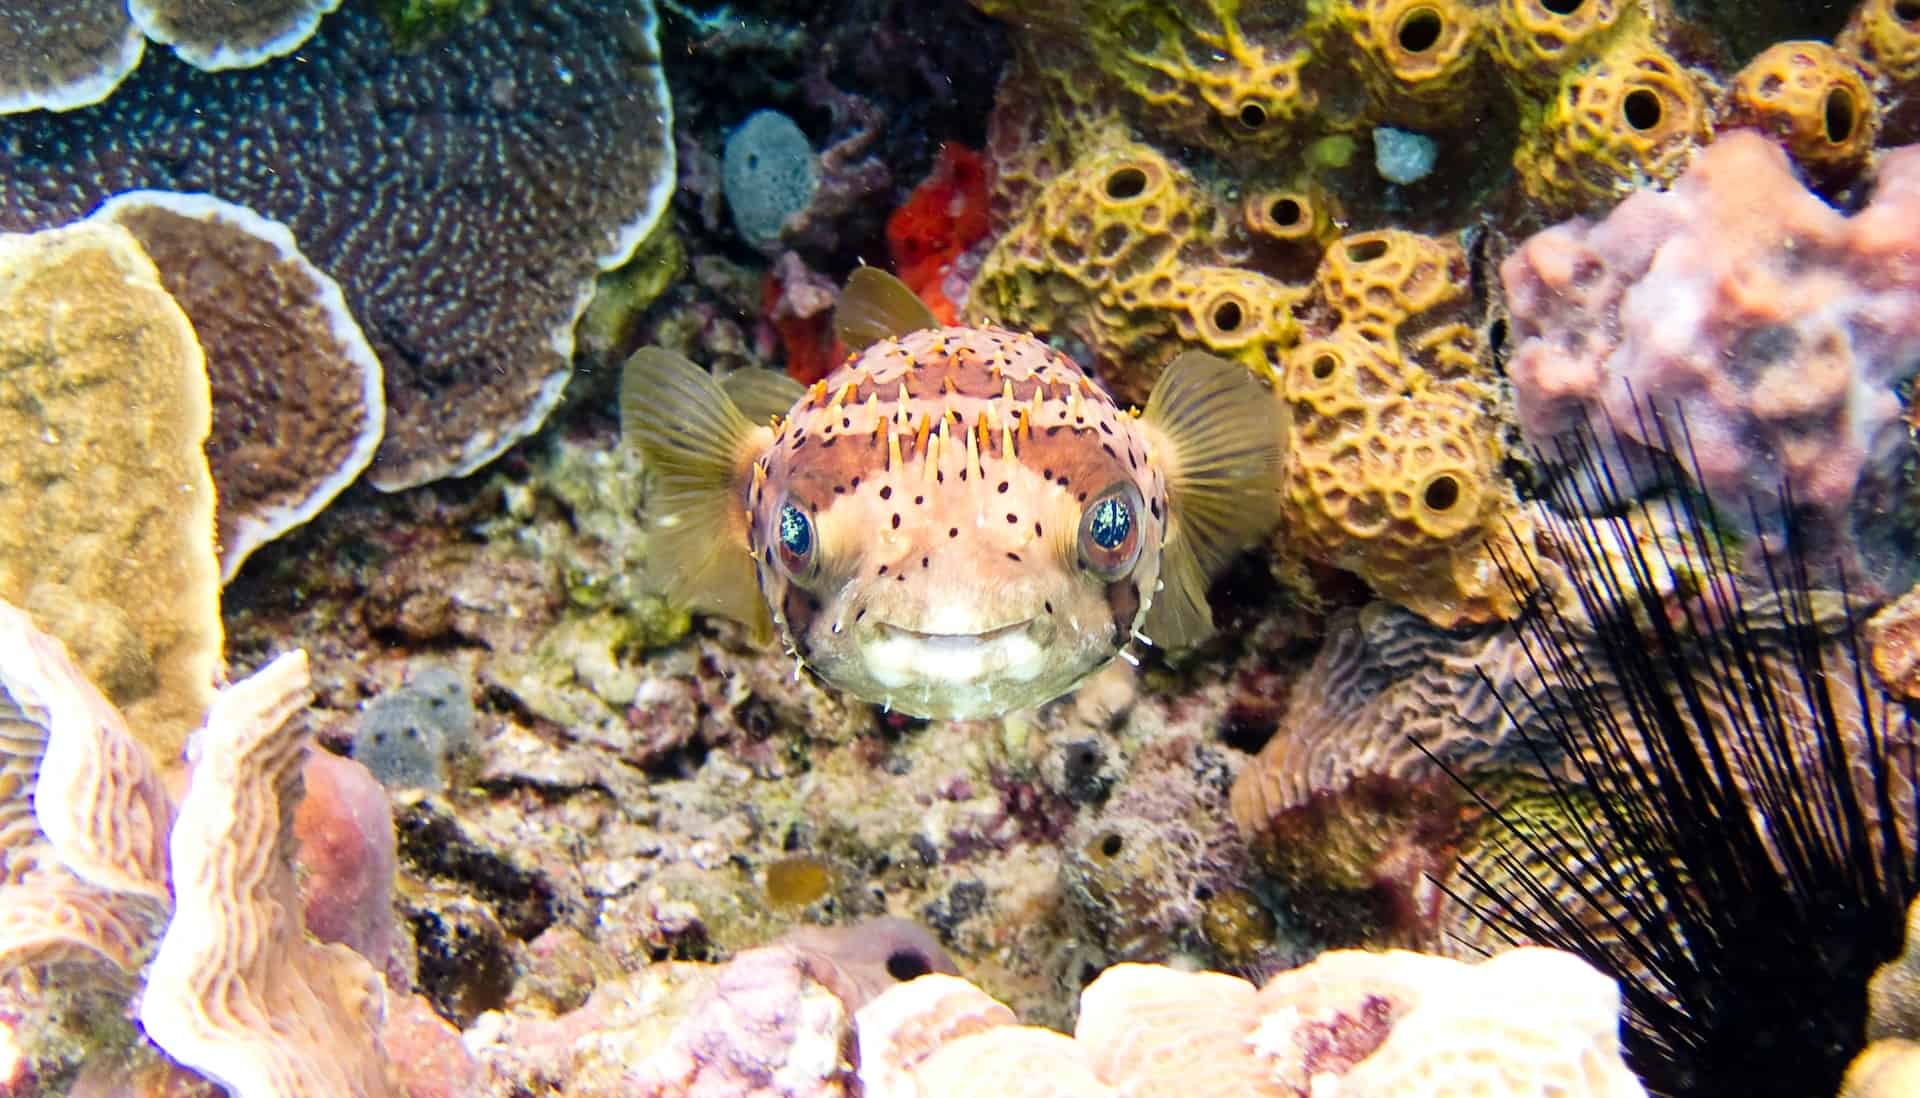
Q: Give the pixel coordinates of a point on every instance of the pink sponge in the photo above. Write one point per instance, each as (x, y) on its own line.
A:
(347, 858)
(1776, 325)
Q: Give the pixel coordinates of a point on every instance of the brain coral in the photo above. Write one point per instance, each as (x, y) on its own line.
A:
(1778, 326)
(463, 196)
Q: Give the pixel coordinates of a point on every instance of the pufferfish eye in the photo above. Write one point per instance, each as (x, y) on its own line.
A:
(1110, 532)
(793, 530)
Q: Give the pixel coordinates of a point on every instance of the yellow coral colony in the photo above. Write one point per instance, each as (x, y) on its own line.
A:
(106, 504)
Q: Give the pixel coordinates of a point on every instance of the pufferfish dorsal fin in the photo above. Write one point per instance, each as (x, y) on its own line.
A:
(1221, 440)
(876, 306)
(701, 450)
(762, 394)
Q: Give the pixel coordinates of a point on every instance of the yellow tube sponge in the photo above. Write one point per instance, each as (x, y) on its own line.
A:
(1124, 252)
(1394, 469)
(106, 504)
(1634, 116)
(1813, 99)
(1416, 57)
(1535, 40)
(1886, 34)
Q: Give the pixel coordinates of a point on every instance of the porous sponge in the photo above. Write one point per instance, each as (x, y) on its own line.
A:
(1634, 116)
(1417, 58)
(1813, 99)
(1205, 70)
(1126, 253)
(1535, 40)
(1394, 471)
(1886, 34)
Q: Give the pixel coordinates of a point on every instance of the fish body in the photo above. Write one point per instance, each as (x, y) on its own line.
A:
(956, 522)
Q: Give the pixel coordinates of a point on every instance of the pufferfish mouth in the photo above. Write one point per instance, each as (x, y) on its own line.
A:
(899, 657)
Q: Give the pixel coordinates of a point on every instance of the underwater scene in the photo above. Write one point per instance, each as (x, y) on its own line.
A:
(959, 548)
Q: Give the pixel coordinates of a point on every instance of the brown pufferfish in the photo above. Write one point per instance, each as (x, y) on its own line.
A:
(957, 522)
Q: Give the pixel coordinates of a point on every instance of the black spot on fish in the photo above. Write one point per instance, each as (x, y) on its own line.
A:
(1037, 532)
(1106, 427)
(919, 499)
(839, 489)
(1012, 518)
(1014, 557)
(1003, 487)
(886, 492)
(896, 520)
(953, 531)
(1049, 605)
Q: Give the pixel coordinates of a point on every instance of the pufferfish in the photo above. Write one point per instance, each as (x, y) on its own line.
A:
(957, 522)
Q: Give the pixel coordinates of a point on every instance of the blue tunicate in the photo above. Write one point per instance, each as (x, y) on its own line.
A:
(407, 737)
(1403, 157)
(769, 172)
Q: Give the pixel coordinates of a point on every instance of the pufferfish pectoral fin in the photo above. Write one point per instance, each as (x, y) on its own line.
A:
(762, 394)
(1222, 439)
(701, 450)
(876, 306)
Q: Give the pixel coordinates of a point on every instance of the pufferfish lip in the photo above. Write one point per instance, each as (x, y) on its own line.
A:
(897, 656)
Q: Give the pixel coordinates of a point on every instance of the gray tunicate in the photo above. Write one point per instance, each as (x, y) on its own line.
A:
(769, 173)
(1403, 157)
(408, 737)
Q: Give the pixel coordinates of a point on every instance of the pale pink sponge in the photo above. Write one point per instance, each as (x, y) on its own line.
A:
(1775, 325)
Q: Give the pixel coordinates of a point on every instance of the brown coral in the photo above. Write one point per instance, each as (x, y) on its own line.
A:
(106, 505)
(65, 54)
(211, 35)
(298, 409)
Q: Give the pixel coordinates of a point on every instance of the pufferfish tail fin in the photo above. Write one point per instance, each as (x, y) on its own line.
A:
(1221, 439)
(701, 450)
(876, 306)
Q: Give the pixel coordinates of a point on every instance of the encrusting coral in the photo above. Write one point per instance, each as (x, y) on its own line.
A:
(106, 504)
(297, 404)
(229, 36)
(97, 860)
(67, 55)
(467, 278)
(1777, 326)
(1524, 1022)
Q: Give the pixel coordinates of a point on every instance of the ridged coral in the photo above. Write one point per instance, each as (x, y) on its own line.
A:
(1634, 115)
(1394, 470)
(1813, 99)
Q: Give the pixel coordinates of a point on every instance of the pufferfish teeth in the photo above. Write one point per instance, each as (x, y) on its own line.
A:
(897, 656)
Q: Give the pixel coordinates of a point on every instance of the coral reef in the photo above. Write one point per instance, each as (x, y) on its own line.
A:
(224, 36)
(297, 406)
(97, 859)
(1528, 1021)
(468, 293)
(106, 504)
(62, 56)
(1776, 326)
(1394, 464)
